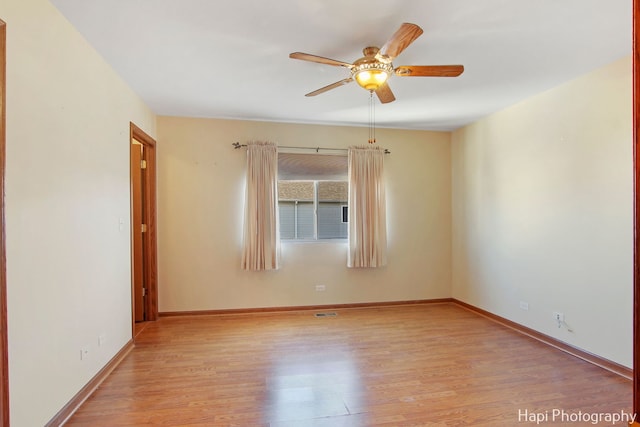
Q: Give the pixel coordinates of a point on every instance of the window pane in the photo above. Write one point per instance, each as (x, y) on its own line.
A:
(286, 210)
(306, 223)
(330, 225)
(296, 190)
(296, 220)
(332, 195)
(333, 191)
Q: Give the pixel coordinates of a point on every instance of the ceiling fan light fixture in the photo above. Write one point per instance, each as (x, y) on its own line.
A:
(374, 68)
(371, 75)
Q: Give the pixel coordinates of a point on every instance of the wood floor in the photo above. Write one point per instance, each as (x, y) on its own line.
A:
(419, 365)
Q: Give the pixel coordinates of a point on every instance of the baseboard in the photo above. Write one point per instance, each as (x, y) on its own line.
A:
(72, 406)
(303, 307)
(554, 342)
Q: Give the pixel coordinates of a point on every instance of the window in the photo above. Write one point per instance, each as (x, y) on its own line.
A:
(312, 196)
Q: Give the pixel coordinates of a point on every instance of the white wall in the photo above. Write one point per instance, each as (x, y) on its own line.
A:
(200, 210)
(542, 212)
(67, 185)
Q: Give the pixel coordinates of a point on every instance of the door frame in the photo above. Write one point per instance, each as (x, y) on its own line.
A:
(150, 267)
(4, 343)
(636, 208)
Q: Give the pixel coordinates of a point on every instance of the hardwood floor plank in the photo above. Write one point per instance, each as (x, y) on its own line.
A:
(414, 365)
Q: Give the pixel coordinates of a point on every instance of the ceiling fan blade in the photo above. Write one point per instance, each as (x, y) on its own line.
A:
(329, 87)
(319, 59)
(403, 37)
(429, 70)
(385, 94)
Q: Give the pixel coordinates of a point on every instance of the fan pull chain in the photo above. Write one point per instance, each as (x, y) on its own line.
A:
(372, 119)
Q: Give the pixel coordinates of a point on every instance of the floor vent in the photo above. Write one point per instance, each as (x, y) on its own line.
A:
(329, 314)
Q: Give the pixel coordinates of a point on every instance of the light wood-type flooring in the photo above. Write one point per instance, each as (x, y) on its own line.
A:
(414, 365)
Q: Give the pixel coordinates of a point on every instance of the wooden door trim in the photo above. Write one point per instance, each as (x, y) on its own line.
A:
(150, 243)
(636, 209)
(4, 344)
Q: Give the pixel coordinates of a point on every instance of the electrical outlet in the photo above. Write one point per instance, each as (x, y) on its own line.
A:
(524, 305)
(102, 340)
(320, 288)
(559, 318)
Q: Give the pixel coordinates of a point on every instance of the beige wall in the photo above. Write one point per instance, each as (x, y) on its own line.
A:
(200, 210)
(67, 185)
(542, 212)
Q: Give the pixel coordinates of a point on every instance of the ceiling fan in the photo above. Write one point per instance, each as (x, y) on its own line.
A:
(374, 68)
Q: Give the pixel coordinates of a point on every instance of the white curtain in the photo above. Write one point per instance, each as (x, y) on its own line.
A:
(367, 208)
(261, 237)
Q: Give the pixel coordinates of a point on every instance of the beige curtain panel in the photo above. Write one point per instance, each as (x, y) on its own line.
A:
(367, 208)
(261, 239)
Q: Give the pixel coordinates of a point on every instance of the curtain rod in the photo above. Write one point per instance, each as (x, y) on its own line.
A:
(237, 145)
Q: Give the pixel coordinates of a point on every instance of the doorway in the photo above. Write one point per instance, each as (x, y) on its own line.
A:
(144, 295)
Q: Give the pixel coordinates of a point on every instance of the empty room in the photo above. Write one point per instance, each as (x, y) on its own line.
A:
(320, 213)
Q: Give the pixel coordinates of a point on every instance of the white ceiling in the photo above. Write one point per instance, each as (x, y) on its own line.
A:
(203, 58)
